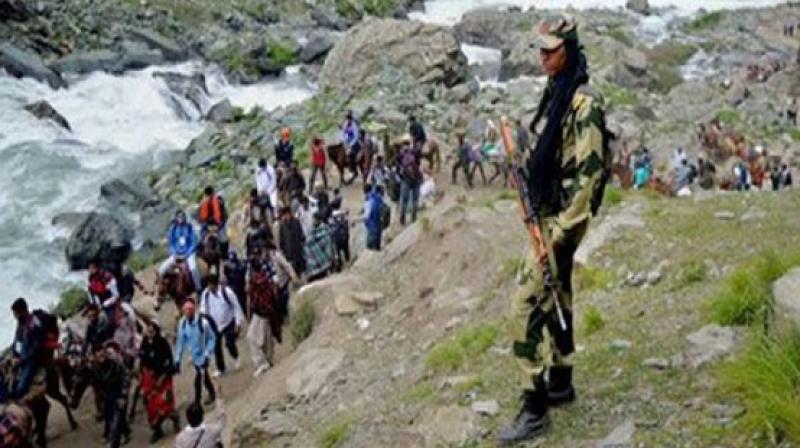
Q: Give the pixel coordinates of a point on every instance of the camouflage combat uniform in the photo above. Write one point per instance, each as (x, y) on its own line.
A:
(539, 343)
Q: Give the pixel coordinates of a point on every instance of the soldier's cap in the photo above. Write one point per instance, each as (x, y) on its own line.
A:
(553, 33)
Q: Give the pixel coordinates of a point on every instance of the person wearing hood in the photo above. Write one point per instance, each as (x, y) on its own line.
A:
(373, 209)
(181, 243)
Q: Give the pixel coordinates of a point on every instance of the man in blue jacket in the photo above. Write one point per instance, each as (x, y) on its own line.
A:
(373, 208)
(182, 244)
(27, 340)
(196, 333)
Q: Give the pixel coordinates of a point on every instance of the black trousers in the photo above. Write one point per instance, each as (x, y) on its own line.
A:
(202, 378)
(115, 420)
(228, 334)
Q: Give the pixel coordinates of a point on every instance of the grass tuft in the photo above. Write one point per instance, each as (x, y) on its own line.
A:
(465, 345)
(335, 434)
(746, 296)
(70, 301)
(592, 321)
(303, 322)
(587, 278)
(612, 196)
(705, 21)
(691, 272)
(765, 377)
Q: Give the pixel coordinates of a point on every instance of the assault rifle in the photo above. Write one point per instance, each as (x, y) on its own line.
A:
(530, 216)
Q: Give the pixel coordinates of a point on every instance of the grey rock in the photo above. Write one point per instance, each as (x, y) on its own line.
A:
(90, 61)
(786, 291)
(429, 53)
(317, 46)
(490, 27)
(490, 408)
(171, 50)
(190, 92)
(621, 436)
(44, 111)
(640, 6)
(657, 363)
(98, 236)
(134, 193)
(520, 60)
(69, 220)
(654, 277)
(20, 63)
(725, 215)
(220, 112)
(463, 92)
(327, 17)
(452, 425)
(274, 425)
(711, 343)
(136, 56)
(753, 214)
(311, 370)
(621, 344)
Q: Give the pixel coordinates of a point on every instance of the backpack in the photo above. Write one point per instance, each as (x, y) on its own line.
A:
(224, 296)
(211, 325)
(409, 168)
(262, 292)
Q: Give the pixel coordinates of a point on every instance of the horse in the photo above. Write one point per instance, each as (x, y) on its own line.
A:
(210, 254)
(175, 284)
(337, 153)
(432, 153)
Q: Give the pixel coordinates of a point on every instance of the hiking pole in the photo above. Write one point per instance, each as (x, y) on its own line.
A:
(530, 217)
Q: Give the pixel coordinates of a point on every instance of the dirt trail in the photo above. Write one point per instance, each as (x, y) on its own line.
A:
(237, 387)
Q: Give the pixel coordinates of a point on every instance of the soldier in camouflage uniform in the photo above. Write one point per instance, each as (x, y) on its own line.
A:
(565, 204)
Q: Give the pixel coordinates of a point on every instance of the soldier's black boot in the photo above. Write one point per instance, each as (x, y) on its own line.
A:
(532, 419)
(559, 387)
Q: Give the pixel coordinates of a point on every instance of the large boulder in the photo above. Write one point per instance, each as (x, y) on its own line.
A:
(220, 112)
(21, 63)
(315, 47)
(44, 111)
(521, 60)
(428, 52)
(136, 200)
(786, 292)
(327, 17)
(98, 236)
(14, 10)
(136, 56)
(490, 27)
(310, 372)
(90, 61)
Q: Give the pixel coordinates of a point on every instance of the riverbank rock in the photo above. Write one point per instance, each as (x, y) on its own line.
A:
(316, 46)
(490, 26)
(429, 53)
(786, 292)
(188, 92)
(90, 61)
(100, 236)
(640, 6)
(136, 56)
(220, 112)
(327, 17)
(172, 51)
(45, 111)
(22, 64)
(520, 60)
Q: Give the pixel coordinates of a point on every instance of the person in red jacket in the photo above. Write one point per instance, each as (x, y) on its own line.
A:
(318, 161)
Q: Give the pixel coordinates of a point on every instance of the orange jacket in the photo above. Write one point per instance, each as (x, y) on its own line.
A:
(211, 211)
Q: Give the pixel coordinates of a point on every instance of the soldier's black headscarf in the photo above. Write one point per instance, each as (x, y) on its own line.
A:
(543, 164)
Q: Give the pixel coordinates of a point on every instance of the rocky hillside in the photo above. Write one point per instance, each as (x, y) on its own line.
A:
(411, 347)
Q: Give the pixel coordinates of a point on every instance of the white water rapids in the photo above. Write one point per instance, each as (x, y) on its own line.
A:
(119, 126)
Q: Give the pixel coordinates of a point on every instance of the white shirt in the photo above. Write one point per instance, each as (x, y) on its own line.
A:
(267, 181)
(217, 307)
(306, 218)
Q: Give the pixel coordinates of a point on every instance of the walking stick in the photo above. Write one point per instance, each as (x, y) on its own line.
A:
(540, 240)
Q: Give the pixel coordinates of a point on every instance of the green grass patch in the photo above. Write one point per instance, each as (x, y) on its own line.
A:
(70, 301)
(592, 321)
(667, 58)
(621, 36)
(379, 8)
(280, 53)
(507, 195)
(620, 96)
(706, 21)
(303, 321)
(612, 196)
(336, 433)
(794, 134)
(691, 272)
(348, 10)
(729, 116)
(746, 296)
(467, 344)
(765, 378)
(225, 168)
(588, 278)
(420, 393)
